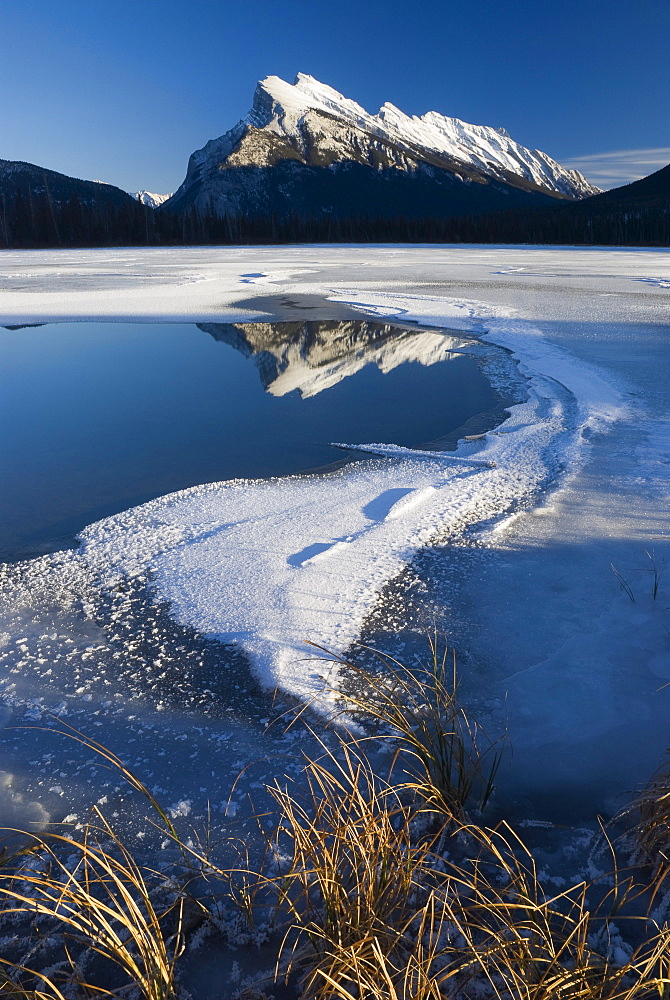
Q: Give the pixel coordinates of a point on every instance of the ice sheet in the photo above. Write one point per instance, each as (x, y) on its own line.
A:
(582, 466)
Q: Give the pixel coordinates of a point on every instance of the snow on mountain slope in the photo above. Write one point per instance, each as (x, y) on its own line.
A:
(310, 123)
(490, 150)
(149, 198)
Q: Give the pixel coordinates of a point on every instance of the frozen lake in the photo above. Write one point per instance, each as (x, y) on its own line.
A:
(509, 540)
(99, 417)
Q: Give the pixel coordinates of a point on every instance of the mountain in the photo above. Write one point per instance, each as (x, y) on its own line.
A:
(150, 199)
(653, 188)
(42, 208)
(30, 182)
(312, 356)
(636, 214)
(304, 149)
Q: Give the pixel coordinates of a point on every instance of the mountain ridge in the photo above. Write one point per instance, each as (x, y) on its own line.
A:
(301, 130)
(653, 187)
(28, 180)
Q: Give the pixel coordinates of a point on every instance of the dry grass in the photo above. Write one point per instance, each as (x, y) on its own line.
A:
(652, 830)
(377, 915)
(411, 968)
(649, 815)
(533, 945)
(357, 873)
(374, 904)
(103, 900)
(450, 761)
(12, 990)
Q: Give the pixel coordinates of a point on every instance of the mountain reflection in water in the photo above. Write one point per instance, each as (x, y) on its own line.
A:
(99, 417)
(312, 356)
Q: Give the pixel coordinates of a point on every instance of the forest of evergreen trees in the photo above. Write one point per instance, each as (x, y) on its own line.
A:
(36, 221)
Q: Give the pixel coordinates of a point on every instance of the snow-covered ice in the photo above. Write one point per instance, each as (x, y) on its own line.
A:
(576, 479)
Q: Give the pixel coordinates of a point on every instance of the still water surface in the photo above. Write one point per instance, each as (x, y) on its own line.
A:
(98, 417)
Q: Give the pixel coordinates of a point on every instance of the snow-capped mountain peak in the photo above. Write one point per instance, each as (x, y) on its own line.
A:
(309, 124)
(327, 97)
(282, 107)
(149, 198)
(288, 103)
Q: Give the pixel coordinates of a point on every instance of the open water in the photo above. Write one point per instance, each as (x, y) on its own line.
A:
(99, 417)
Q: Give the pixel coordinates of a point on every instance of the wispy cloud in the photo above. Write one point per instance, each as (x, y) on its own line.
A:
(608, 170)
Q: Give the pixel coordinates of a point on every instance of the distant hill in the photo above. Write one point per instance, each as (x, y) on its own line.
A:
(43, 208)
(654, 188)
(636, 214)
(18, 179)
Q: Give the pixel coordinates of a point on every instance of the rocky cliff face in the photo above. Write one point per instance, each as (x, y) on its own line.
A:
(306, 149)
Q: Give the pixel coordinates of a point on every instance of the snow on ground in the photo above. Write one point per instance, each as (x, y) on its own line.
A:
(575, 479)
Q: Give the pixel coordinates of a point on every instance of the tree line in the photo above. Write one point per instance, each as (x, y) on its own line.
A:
(30, 221)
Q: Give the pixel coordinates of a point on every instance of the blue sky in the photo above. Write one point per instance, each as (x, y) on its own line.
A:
(125, 90)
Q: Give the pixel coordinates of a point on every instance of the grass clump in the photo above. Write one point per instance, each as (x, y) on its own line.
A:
(649, 815)
(378, 889)
(105, 905)
(378, 912)
(531, 944)
(449, 760)
(356, 877)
